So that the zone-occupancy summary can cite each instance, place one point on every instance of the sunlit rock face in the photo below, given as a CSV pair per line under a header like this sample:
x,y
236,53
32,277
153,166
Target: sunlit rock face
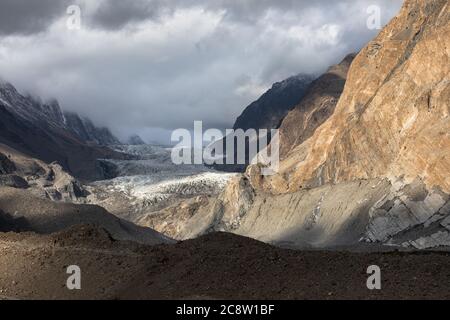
x,y
317,105
392,119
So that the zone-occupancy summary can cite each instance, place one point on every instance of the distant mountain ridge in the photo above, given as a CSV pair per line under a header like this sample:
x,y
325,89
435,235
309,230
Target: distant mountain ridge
x,y
50,113
44,131
268,111
85,129
135,140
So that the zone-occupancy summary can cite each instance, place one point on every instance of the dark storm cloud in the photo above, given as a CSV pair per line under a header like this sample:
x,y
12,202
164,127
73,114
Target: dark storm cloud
x,y
152,66
29,16
114,14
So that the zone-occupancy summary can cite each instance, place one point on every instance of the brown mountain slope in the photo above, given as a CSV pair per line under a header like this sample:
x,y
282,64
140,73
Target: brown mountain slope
x,y
393,117
315,108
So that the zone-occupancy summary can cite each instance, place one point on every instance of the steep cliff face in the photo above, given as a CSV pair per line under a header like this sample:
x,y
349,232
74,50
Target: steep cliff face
x,y
316,106
393,117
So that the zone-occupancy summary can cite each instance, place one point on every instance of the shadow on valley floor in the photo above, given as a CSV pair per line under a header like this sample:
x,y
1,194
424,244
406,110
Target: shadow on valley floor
x,y
217,266
316,236
9,223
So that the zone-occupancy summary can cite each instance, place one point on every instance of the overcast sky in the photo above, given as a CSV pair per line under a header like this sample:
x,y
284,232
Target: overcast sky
x,y
150,66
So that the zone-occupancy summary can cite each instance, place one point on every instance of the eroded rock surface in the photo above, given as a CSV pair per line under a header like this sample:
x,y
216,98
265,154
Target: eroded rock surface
x,y
411,215
48,181
22,210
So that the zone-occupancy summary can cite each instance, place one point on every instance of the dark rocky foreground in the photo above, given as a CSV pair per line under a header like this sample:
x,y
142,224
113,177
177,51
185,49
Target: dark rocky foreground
x,y
217,266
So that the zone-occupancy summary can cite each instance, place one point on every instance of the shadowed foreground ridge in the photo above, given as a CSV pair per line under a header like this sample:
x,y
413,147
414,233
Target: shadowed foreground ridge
x,y
219,266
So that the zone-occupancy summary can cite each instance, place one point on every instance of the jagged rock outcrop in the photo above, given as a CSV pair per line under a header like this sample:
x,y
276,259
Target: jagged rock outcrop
x,y
13,181
411,215
28,107
50,114
48,181
6,165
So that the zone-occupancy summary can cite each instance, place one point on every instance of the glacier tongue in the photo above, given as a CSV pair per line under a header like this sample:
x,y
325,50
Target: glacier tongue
x,y
151,182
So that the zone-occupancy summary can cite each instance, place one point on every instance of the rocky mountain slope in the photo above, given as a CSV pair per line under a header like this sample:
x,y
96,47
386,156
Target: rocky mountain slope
x,y
376,171
83,128
393,117
392,122
48,181
316,106
24,211
51,114
41,130
40,197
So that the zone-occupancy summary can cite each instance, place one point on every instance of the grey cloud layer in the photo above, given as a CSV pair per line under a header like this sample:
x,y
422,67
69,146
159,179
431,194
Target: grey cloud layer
x,y
32,16
116,14
29,16
140,65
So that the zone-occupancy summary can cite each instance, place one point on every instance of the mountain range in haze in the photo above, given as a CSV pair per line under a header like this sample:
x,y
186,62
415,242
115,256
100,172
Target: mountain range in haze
x,y
45,131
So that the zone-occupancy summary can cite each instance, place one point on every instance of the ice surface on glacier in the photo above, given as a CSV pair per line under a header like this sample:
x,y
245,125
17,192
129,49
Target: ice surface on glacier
x,y
153,178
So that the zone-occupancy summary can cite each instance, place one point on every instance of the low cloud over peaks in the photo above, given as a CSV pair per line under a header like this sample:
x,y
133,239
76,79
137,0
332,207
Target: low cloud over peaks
x,y
159,65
